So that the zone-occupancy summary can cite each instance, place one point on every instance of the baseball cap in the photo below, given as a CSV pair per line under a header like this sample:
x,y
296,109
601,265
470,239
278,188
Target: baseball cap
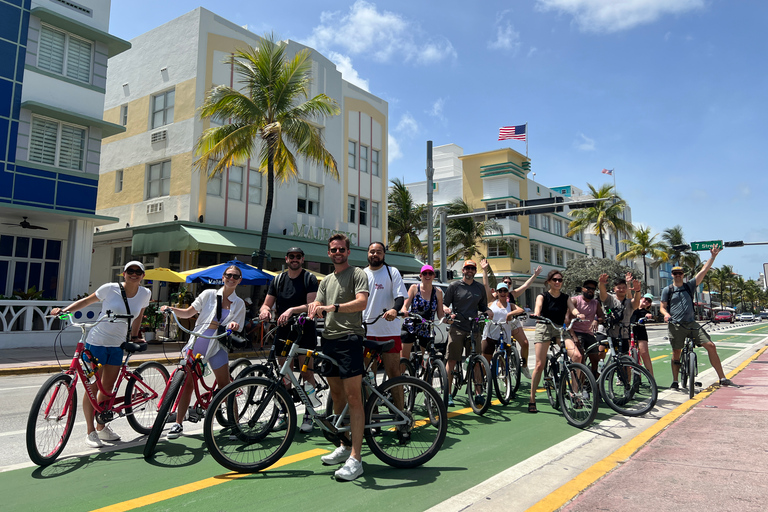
x,y
294,250
677,269
648,296
133,263
469,263
502,285
426,267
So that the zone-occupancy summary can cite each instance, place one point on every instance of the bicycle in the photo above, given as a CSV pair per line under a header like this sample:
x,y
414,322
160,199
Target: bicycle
x,y
248,444
570,386
689,362
506,366
192,367
477,366
54,408
429,365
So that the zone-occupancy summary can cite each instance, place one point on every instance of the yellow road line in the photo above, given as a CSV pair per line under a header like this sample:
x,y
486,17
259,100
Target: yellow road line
x,y
570,490
202,484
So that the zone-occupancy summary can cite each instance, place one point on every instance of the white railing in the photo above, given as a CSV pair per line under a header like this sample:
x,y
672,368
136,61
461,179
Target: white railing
x,y
24,323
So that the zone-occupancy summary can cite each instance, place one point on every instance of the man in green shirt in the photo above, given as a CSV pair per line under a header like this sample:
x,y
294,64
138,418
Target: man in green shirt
x,y
342,297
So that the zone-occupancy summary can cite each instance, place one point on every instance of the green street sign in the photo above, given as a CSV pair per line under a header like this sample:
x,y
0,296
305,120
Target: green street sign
x,y
705,246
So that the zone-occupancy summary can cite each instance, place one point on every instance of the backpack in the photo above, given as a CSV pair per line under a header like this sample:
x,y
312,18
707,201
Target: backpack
x,y
672,290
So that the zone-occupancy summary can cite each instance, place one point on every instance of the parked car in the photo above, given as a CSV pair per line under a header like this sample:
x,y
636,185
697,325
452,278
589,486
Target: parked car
x,y
723,316
746,317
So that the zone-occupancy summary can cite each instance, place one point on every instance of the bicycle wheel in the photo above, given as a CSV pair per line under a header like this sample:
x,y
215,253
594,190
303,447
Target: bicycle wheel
x,y
578,395
515,364
237,366
167,402
628,388
249,444
501,377
414,364
480,389
406,368
408,438
51,418
438,379
549,382
457,378
142,397
691,373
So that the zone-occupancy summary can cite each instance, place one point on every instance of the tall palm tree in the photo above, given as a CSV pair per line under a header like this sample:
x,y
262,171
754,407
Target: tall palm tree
x,y
643,244
405,220
723,277
680,257
604,217
751,292
464,236
272,117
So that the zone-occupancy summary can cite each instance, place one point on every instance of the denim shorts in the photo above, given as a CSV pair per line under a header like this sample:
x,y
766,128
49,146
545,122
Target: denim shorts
x,y
106,355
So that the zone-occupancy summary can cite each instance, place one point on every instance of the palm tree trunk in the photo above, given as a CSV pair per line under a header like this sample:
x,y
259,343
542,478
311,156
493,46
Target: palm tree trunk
x,y
645,275
268,206
602,242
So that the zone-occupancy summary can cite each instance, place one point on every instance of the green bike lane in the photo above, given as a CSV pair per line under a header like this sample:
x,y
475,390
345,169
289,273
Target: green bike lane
x,y
476,448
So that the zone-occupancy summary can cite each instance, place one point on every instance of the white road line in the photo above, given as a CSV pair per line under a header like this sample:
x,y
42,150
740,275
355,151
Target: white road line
x,y
18,387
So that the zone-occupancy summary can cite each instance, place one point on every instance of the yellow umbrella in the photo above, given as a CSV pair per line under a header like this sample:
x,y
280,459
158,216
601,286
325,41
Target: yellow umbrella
x,y
165,274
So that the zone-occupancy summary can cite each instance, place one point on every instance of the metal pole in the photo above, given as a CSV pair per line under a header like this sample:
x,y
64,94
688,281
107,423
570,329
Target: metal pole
x,y
430,220
443,248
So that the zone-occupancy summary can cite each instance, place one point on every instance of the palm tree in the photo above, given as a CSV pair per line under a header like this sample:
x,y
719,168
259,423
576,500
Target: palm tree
x,y
641,245
405,220
464,236
751,292
604,217
722,278
273,116
680,257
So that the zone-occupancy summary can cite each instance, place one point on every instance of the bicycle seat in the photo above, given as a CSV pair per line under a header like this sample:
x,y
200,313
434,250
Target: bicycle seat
x,y
379,346
131,347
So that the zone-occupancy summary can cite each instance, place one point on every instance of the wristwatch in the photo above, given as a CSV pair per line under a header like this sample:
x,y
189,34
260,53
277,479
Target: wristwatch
x,y
335,308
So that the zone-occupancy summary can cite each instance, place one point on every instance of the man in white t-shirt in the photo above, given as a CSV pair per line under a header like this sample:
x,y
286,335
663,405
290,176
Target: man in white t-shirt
x,y
387,292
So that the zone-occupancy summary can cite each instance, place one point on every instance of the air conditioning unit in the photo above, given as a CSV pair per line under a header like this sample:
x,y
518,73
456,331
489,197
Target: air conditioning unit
x,y
154,208
159,136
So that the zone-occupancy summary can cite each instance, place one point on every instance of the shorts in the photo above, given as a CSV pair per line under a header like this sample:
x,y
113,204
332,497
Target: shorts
x,y
458,341
398,343
347,351
488,346
546,333
412,337
308,338
678,333
587,343
218,359
106,355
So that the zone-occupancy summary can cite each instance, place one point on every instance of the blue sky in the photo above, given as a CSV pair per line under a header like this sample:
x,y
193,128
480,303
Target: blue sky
x,y
669,93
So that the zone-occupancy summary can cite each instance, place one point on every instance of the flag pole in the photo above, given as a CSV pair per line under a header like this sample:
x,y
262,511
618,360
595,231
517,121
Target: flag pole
x,y
526,139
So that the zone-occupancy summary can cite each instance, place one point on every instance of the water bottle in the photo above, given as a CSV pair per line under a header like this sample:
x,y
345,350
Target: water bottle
x,y
600,366
309,389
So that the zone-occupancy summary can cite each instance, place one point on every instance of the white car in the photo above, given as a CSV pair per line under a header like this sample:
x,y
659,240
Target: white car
x,y
746,317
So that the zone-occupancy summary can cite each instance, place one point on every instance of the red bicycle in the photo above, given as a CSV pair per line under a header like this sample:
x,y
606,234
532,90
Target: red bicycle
x,y
54,408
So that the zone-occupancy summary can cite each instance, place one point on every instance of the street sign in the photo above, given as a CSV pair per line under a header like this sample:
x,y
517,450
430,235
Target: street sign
x,y
705,246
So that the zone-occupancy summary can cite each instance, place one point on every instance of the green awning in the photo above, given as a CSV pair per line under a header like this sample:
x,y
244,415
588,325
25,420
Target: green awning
x,y
107,129
114,44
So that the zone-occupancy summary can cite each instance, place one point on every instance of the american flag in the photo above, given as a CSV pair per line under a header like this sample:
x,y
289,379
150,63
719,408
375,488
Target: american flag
x,y
609,172
512,132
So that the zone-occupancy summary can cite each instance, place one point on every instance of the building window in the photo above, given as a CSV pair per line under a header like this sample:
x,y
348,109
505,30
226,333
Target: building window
x,y
533,221
213,188
557,227
254,187
374,214
124,115
235,187
162,108
571,256
502,248
352,154
545,223
119,180
351,205
27,262
577,236
159,179
309,199
363,158
535,252
651,273
363,212
547,254
64,54
559,257
374,162
57,144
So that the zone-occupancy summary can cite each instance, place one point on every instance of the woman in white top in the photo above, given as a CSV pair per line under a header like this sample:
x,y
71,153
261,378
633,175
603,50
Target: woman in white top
x,y
503,311
232,314
105,338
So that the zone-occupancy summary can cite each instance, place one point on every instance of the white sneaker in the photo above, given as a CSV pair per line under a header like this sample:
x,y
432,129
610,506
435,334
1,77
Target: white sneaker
x,y
93,440
175,432
107,434
526,372
306,425
337,456
351,469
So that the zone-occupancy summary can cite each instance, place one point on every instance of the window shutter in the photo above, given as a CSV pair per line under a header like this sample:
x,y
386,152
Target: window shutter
x,y
42,147
72,147
50,55
79,60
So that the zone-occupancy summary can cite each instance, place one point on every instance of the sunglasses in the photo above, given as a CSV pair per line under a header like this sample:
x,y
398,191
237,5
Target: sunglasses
x,y
557,279
677,273
334,250
589,289
474,269
428,274
132,272
503,290
295,256
232,276
508,283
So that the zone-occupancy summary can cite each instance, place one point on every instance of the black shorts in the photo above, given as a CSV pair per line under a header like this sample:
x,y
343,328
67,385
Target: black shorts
x,y
412,337
308,338
348,352
587,342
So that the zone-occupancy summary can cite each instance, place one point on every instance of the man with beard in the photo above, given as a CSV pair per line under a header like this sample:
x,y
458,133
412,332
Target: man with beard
x,y
289,293
342,297
583,333
618,303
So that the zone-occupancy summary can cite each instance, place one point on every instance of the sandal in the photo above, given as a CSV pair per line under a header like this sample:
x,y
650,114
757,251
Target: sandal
x,y
532,407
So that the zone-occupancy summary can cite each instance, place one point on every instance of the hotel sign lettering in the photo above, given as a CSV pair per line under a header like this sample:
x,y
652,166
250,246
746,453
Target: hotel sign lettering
x,y
321,234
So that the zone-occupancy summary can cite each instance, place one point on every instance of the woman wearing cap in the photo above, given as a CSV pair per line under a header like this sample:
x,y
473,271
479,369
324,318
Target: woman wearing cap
x,y
417,302
503,311
232,315
639,331
105,339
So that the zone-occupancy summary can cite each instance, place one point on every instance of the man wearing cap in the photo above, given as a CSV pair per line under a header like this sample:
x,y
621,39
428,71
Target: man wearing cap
x,y
619,303
642,314
583,338
678,309
289,293
468,297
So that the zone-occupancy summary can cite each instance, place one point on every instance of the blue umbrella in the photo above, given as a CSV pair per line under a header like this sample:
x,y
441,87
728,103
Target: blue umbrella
x,y
212,275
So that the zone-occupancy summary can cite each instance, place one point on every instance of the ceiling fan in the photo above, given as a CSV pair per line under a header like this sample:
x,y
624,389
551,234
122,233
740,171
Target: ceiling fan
x,y
24,224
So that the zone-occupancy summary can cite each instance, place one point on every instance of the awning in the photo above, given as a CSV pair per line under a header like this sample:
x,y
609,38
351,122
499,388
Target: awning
x,y
114,44
107,129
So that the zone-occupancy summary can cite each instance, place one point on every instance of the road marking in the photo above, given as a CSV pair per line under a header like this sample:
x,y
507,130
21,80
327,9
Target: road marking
x,y
19,387
570,490
203,484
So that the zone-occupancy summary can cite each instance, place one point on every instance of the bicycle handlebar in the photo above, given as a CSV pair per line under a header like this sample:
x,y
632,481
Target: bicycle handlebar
x,y
169,312
108,316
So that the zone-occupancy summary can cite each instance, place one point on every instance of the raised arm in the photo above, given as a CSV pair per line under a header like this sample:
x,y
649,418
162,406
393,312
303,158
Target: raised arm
x,y
519,291
486,281
703,272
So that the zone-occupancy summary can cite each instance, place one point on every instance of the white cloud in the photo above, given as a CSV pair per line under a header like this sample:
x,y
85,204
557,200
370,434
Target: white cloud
x,y
349,73
393,149
437,109
584,143
381,35
614,15
532,51
407,125
507,38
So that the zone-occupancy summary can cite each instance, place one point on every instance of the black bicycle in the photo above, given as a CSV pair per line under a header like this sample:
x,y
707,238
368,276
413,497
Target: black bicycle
x,y
475,373
506,365
689,362
430,364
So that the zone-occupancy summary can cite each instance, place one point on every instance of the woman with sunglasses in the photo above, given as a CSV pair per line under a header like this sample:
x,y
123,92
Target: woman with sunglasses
x,y
552,304
417,302
517,328
504,310
105,339
207,306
